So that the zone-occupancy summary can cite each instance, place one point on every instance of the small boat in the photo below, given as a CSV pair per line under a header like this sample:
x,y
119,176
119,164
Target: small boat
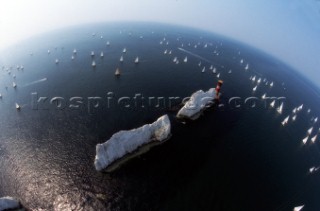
x,y
241,61
313,139
121,59
72,57
294,110
211,67
214,70
310,130
294,118
300,107
92,53
14,85
170,52
165,52
136,60
57,61
206,45
304,141
259,80
254,78
175,59
272,103
203,69
185,59
101,54
101,37
117,72
247,67
309,110
74,51
48,51
280,108
271,84
93,64
199,64
264,96
218,76
298,208
124,50
230,71
108,43
177,62
285,121
315,120
0,96
254,88
18,107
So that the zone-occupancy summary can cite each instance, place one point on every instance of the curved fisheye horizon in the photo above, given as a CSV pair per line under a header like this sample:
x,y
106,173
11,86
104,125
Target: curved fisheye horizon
x,y
288,30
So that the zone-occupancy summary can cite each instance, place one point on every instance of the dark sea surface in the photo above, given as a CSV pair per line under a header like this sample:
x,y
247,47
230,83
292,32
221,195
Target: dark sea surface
x,y
231,158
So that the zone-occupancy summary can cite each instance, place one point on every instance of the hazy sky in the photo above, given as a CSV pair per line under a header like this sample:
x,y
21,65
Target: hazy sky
x,y
287,29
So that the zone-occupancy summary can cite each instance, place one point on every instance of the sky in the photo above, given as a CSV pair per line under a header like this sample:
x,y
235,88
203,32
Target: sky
x,y
286,29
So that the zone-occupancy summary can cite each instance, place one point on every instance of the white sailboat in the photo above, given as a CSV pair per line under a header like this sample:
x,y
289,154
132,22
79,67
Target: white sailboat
x,y
218,75
101,54
272,103
93,64
214,70
72,57
300,107
254,88
309,110
57,61
285,121
310,130
199,64
271,84
315,120
280,108
259,80
298,208
175,59
185,59
264,96
254,78
241,61
230,71
170,52
124,50
203,69
0,96
314,138
294,110
74,51
136,60
92,53
294,118
121,59
211,67
18,107
48,51
165,51
304,141
108,43
14,85
247,67
117,72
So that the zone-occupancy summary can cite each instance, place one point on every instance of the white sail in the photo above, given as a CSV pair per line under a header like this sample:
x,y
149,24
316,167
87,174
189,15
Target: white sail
x,y
254,88
175,59
18,106
310,130
203,69
298,208
241,61
214,70
300,107
14,85
254,78
315,120
294,118
314,138
108,43
285,121
93,64
165,51
117,72
170,52
74,51
72,57
247,67
199,64
48,51
304,141
272,103
264,96
185,59
309,110
136,60
230,71
101,54
218,75
121,59
57,61
211,67
271,84
92,53
294,110
259,80
280,108
124,50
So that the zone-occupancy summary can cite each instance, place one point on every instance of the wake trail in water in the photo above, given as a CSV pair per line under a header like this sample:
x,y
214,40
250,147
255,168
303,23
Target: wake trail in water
x,y
35,82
